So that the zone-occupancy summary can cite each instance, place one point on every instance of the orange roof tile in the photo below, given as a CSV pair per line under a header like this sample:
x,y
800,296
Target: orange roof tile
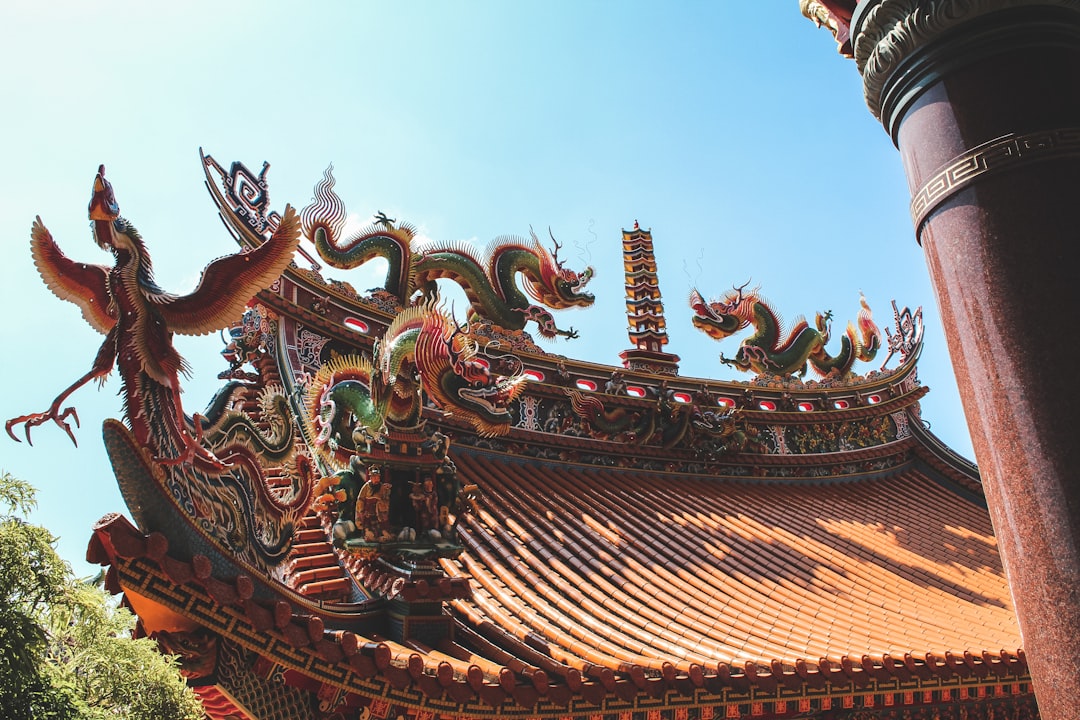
x,y
624,568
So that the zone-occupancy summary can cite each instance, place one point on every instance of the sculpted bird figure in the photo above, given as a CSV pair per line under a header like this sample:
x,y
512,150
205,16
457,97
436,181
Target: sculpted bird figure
x,y
139,319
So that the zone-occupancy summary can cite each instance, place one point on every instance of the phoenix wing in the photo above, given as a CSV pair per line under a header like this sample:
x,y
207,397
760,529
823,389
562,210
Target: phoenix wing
x,y
228,283
85,285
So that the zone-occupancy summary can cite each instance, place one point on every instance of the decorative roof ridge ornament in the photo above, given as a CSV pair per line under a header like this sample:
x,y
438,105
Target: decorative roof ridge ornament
x,y
765,352
646,326
213,469
324,223
490,281
664,423
352,400
139,318
363,418
909,334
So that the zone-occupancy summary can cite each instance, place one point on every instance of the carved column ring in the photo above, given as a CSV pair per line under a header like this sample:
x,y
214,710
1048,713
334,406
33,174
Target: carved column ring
x,y
998,155
886,33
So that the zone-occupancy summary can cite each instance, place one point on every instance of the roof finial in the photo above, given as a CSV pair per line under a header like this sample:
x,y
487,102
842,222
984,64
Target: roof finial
x,y
636,226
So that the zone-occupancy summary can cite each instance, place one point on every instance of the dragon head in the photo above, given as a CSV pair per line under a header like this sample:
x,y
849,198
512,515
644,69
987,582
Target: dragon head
x,y
713,421
557,286
570,286
726,316
459,378
196,651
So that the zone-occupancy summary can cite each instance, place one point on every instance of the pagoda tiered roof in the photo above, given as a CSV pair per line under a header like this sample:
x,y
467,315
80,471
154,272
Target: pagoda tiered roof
x,y
644,308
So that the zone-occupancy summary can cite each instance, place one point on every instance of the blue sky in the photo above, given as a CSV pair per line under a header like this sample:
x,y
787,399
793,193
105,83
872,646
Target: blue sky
x,y
734,131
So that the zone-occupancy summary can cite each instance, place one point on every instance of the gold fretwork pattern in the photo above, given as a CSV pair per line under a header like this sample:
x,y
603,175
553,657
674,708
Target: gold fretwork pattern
x,y
264,699
1007,151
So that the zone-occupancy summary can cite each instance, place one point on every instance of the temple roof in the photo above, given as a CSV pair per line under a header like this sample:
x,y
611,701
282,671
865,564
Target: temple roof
x,y
628,543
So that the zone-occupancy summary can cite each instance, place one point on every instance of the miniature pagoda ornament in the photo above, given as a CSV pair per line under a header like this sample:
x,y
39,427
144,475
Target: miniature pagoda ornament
x,y
644,307
765,352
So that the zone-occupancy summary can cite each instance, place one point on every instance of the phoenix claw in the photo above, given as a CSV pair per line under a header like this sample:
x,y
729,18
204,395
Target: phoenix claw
x,y
34,419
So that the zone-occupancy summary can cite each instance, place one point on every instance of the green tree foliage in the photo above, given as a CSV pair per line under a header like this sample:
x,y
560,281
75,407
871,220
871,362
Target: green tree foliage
x,y
66,651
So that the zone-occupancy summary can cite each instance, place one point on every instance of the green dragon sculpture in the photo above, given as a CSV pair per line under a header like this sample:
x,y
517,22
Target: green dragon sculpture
x,y
491,288
633,425
663,421
352,400
765,353
490,285
322,223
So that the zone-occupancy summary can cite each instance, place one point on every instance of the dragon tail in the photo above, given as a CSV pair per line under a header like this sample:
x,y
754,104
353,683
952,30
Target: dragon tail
x,y
588,407
326,213
866,339
323,221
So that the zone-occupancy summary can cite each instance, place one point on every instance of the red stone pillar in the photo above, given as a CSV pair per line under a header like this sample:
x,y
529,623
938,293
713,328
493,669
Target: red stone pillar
x,y
982,98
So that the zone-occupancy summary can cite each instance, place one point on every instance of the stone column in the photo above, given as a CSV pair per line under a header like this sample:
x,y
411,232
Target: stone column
x,y
982,98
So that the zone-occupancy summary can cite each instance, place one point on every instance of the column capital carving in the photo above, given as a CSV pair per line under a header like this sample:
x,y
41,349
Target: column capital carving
x,y
888,35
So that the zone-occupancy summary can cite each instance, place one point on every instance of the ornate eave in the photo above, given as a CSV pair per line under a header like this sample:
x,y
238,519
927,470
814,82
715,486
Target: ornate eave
x,y
358,672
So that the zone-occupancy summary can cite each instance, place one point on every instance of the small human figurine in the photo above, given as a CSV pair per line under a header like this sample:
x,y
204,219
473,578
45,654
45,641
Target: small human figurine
x,y
366,515
416,497
704,397
342,488
431,510
562,375
447,482
616,385
446,524
425,507
382,512
663,393
439,444
665,404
